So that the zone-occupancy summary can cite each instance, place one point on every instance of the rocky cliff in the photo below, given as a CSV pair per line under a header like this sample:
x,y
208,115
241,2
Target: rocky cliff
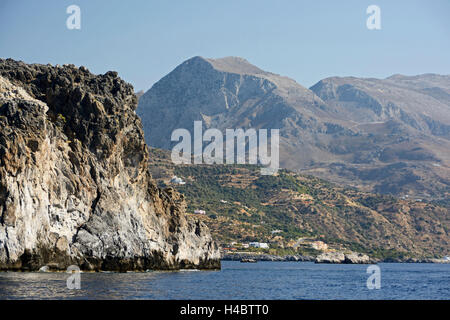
x,y
74,181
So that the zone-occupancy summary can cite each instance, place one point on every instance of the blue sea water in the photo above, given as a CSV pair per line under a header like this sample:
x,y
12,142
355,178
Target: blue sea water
x,y
262,280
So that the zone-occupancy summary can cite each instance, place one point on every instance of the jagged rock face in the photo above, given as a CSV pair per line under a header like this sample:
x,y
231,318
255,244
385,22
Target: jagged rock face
x,y
74,181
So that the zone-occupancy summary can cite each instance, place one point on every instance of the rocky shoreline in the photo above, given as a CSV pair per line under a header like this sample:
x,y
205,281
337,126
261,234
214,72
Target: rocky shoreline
x,y
340,258
265,257
327,258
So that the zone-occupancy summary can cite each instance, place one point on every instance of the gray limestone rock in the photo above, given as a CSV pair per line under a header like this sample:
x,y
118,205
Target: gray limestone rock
x,y
75,187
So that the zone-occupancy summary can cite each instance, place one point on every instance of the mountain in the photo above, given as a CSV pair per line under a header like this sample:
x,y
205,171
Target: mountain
x,y
382,135
405,126
289,209
75,187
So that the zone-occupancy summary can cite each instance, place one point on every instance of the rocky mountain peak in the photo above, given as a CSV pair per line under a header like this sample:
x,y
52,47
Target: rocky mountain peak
x,y
223,93
235,65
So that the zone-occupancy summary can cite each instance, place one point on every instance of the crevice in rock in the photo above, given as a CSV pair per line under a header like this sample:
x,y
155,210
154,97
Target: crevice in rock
x,y
95,202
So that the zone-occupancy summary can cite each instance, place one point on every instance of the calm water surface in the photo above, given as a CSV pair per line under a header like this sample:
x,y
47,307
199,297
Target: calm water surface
x,y
262,280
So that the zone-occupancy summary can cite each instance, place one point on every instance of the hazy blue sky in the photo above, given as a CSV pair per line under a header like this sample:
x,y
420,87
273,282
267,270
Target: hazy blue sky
x,y
305,40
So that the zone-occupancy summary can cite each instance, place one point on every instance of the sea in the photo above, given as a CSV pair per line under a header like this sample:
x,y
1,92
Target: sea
x,y
236,280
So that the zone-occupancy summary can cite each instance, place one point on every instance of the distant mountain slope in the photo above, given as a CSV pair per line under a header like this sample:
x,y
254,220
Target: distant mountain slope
x,y
405,122
242,206
390,136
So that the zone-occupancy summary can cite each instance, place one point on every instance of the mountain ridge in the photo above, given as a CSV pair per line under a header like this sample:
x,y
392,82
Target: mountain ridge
x,y
343,129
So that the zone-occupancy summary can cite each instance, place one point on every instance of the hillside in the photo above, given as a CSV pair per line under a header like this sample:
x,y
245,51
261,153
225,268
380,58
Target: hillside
x,y
404,133
389,136
242,206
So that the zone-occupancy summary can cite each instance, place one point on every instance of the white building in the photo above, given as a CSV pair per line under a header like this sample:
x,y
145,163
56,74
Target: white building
x,y
177,180
261,245
200,212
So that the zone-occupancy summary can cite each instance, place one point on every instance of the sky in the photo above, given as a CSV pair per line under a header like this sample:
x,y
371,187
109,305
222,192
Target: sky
x,y
304,40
